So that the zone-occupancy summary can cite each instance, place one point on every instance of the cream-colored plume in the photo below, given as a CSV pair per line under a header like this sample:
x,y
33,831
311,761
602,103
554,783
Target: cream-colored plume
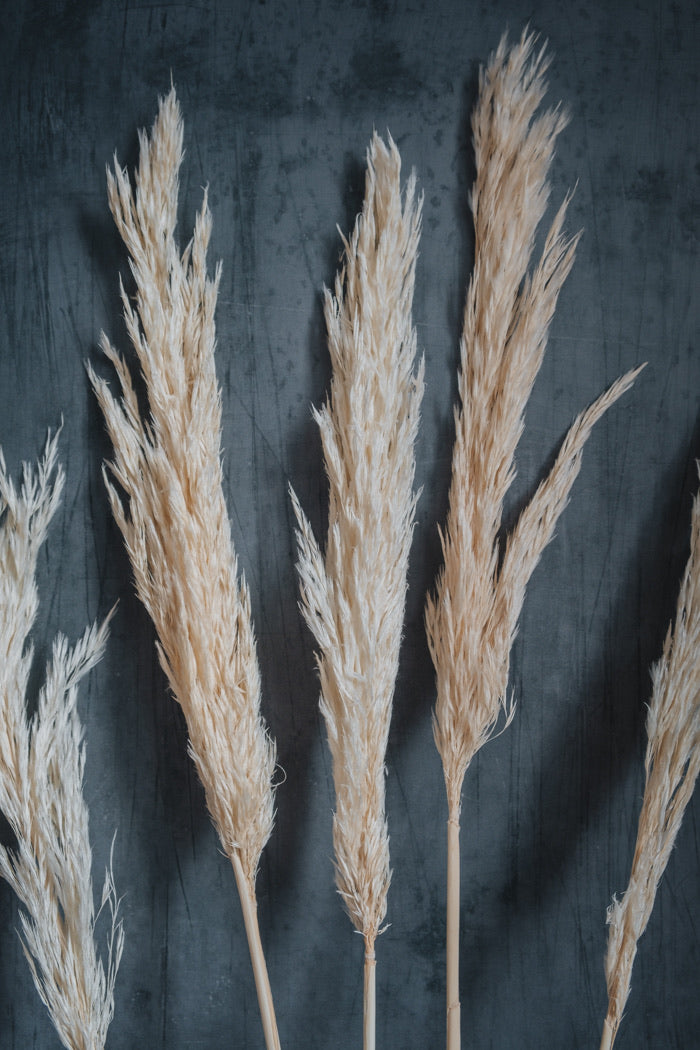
x,y
353,598
174,521
672,765
41,782
472,617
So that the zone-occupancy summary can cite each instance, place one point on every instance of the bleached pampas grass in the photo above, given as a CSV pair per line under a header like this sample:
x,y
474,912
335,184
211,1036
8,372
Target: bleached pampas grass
x,y
175,523
353,598
472,617
41,781
672,764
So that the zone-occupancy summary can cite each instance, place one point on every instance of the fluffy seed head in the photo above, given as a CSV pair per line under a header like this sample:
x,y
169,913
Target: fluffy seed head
x,y
173,520
353,596
472,617
41,781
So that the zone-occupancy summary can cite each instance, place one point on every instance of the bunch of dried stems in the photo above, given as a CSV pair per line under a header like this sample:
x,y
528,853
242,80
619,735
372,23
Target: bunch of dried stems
x,y
472,617
353,598
175,524
672,764
41,781
169,505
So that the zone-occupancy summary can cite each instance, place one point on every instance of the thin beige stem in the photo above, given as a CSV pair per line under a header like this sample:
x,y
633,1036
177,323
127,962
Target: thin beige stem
x,y
249,907
608,1036
453,1010
370,1001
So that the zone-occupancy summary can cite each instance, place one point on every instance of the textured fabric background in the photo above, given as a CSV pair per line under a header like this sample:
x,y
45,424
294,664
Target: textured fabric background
x,y
280,100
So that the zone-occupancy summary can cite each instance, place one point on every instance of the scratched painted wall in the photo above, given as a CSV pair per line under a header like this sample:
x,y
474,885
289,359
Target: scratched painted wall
x,y
280,100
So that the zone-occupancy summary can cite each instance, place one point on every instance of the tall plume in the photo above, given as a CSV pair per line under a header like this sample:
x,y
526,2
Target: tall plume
x,y
174,520
472,617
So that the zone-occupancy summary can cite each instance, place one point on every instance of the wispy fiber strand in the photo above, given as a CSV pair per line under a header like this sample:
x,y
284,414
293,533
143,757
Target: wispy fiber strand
x,y
353,599
42,759
473,615
672,764
174,522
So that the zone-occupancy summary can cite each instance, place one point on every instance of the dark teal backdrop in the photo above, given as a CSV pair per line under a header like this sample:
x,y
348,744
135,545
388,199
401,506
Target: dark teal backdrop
x,y
280,100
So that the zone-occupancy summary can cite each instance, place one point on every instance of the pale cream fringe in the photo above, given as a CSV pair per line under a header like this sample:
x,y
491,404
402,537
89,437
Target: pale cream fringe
x,y
353,598
41,782
472,618
175,524
672,765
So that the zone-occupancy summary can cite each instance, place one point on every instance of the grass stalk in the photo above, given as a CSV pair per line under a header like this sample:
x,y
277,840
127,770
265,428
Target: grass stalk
x,y
370,999
453,926
249,907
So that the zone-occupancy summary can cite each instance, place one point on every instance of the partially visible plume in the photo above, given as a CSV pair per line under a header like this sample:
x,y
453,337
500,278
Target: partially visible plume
x,y
41,781
672,765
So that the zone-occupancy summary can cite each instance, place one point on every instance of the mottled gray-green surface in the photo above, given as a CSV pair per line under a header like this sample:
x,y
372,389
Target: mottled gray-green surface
x,y
280,100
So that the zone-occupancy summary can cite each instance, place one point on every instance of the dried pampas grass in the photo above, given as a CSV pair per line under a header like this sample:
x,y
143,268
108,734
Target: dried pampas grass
x,y
175,523
672,764
41,782
472,617
353,598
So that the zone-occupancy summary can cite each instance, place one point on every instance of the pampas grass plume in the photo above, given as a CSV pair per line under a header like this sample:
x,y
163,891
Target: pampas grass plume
x,y
41,781
353,597
174,520
472,617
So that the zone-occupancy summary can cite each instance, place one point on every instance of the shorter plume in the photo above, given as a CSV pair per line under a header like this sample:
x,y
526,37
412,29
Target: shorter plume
x,y
353,597
41,782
